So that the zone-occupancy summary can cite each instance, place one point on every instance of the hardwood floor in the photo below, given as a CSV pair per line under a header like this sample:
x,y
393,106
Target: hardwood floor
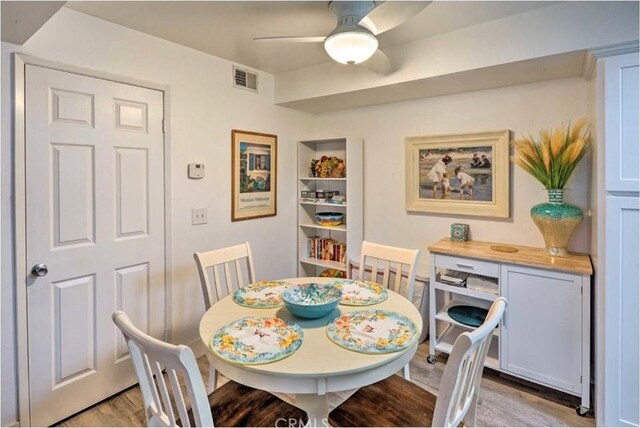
x,y
504,400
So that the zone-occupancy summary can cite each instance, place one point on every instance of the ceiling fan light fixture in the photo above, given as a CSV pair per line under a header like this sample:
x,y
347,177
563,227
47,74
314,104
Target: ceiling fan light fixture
x,y
351,47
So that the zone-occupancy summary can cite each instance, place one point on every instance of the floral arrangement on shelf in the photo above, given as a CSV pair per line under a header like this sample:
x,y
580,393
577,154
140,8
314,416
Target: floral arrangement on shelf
x,y
553,157
328,167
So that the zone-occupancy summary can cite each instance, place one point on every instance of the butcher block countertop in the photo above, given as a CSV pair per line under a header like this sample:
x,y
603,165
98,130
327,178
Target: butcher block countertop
x,y
576,263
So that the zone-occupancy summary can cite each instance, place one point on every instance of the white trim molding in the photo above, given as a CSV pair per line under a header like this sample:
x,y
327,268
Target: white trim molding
x,y
593,55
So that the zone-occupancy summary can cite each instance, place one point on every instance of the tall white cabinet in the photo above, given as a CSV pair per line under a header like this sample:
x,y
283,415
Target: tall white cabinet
x,y
351,186
618,254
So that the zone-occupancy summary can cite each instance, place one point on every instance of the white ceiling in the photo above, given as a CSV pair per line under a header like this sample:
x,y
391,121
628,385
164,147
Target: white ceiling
x,y
227,28
21,19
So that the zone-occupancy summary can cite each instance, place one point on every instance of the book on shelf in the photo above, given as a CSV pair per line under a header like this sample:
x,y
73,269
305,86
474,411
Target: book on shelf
x,y
326,249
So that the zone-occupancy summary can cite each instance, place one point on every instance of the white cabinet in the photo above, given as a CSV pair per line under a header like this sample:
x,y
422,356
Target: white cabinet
x,y
616,250
542,332
622,148
350,232
622,330
544,336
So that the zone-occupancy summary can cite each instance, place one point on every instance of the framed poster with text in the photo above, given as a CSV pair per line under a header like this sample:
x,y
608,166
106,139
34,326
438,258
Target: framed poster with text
x,y
253,175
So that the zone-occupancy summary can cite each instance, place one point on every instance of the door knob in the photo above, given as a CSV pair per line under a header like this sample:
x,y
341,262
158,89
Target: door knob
x,y
40,270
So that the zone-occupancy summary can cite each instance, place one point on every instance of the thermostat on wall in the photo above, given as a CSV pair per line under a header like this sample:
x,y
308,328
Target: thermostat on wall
x,y
196,170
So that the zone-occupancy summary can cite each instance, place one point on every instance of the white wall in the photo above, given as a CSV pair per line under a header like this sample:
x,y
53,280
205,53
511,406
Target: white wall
x,y
204,109
596,114
523,109
7,294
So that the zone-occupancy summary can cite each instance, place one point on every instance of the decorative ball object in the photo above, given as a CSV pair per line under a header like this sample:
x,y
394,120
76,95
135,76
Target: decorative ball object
x,y
459,232
311,300
329,219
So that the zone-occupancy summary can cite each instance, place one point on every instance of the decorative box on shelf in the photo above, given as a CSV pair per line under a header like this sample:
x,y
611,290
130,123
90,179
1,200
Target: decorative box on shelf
x,y
459,232
544,336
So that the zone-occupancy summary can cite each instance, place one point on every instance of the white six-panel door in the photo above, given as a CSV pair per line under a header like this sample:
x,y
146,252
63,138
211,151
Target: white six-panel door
x,y
95,218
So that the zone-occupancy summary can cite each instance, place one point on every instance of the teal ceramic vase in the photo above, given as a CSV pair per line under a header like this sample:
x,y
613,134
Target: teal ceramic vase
x,y
556,221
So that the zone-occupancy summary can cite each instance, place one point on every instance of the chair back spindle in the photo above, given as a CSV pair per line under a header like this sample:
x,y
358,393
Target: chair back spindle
x,y
393,261
165,404
460,385
222,273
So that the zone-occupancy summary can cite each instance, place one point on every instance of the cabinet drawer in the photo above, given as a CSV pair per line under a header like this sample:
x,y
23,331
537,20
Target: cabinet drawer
x,y
463,264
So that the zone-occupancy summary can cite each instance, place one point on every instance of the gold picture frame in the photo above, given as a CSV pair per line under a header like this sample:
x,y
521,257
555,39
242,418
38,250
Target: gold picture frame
x,y
466,174
253,175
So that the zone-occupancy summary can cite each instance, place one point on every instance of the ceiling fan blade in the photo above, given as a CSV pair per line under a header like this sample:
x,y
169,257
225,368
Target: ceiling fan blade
x,y
390,14
294,39
378,63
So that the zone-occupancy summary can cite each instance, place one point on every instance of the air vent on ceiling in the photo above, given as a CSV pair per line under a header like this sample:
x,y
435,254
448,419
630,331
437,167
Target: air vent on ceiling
x,y
245,79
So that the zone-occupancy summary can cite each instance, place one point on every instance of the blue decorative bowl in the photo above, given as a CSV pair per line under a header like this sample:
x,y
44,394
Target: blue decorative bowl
x,y
311,300
329,219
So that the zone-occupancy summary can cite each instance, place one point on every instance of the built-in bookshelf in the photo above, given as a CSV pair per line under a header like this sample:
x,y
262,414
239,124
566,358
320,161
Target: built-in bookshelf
x,y
343,241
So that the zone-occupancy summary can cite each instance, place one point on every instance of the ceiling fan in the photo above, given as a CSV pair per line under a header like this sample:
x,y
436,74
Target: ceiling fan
x,y
354,41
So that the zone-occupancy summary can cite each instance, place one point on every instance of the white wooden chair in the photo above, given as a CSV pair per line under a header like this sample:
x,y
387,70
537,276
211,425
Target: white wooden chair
x,y
222,273
393,261
227,261
407,404
149,357
166,406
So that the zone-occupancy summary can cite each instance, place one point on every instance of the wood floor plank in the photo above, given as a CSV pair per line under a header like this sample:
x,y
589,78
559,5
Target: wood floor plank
x,y
504,400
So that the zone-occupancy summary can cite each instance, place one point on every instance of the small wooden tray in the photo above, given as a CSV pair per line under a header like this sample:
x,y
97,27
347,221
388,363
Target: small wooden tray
x,y
504,248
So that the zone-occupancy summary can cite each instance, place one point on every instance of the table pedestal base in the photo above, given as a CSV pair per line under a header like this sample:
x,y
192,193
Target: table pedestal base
x,y
317,408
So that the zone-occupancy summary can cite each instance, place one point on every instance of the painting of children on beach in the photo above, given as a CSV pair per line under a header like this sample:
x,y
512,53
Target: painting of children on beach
x,y
461,173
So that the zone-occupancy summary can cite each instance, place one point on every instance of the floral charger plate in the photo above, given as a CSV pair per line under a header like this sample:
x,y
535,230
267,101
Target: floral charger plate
x,y
261,295
372,332
257,340
360,293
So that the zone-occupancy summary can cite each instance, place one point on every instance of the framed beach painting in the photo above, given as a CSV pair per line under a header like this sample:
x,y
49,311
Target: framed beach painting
x,y
253,175
466,174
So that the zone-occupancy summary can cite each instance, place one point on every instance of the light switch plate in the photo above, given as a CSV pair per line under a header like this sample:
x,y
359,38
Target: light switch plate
x,y
198,216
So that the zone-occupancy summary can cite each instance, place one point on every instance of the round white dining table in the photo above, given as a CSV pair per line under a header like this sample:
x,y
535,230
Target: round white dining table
x,y
319,366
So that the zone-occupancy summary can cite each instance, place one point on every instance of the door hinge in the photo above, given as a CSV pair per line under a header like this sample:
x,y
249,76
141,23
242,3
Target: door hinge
x,y
163,131
580,380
